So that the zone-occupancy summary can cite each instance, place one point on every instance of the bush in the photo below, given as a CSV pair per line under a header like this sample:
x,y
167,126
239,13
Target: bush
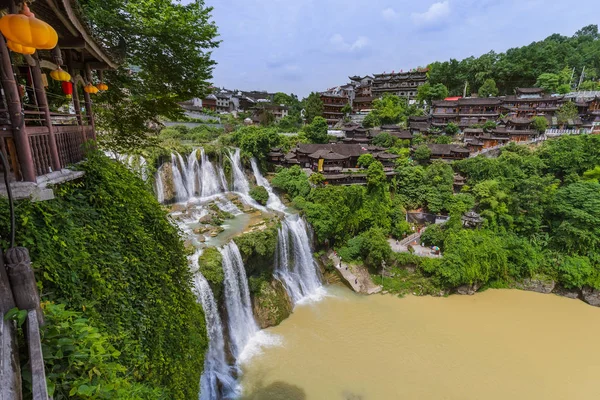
x,y
80,360
260,195
105,245
293,181
210,264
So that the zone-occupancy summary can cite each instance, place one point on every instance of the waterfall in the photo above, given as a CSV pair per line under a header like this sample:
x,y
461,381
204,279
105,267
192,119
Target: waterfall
x,y
159,186
240,183
237,299
210,181
294,263
216,371
177,165
274,202
191,173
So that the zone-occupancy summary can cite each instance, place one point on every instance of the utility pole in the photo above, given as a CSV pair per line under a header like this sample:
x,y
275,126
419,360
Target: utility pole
x,y
581,77
572,75
465,89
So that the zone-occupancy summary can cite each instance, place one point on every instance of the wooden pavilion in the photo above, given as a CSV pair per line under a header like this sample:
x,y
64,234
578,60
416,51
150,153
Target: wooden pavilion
x,y
37,137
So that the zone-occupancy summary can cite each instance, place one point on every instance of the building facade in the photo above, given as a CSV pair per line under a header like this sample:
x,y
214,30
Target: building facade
x,y
403,84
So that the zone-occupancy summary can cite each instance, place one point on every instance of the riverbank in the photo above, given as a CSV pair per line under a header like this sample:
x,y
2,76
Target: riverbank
x,y
381,347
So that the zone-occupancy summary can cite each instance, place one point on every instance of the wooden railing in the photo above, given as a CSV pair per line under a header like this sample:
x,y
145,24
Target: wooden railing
x,y
39,141
70,140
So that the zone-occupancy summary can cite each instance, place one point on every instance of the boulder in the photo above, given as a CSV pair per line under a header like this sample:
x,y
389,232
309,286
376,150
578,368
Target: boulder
x,y
467,289
201,238
178,208
271,304
206,219
539,285
591,296
570,293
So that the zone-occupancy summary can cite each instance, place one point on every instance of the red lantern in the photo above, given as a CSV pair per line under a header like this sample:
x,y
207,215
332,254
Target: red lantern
x,y
67,88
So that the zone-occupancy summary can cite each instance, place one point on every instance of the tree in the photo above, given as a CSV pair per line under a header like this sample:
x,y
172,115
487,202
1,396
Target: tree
x,y
452,129
390,109
347,109
489,126
316,179
384,139
316,131
293,181
564,88
428,93
548,82
589,85
371,120
365,160
256,141
568,111
540,124
313,106
422,153
488,89
170,45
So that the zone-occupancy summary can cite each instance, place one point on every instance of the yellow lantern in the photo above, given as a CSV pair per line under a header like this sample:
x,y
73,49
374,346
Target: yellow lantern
x,y
91,89
26,30
60,75
102,86
17,48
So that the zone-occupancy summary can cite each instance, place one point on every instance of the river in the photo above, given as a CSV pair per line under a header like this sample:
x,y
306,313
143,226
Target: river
x,y
499,344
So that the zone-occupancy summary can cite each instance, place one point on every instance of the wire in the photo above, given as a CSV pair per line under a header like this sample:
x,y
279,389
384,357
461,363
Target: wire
x,y
11,204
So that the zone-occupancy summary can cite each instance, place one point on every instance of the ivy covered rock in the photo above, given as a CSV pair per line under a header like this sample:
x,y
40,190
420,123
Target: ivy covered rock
x,y
210,264
271,303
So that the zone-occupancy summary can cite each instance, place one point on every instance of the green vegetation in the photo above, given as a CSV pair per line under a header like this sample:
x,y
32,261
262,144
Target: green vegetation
x,y
105,247
316,131
313,105
540,217
260,195
293,181
429,93
211,266
365,160
390,109
488,89
524,66
170,48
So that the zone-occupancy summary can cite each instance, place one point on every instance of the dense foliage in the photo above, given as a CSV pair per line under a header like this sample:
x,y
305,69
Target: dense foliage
x,y
260,195
539,209
524,66
105,246
168,45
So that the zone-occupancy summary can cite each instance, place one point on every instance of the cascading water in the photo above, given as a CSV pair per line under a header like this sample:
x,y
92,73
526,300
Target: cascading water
x,y
191,173
216,371
237,299
177,165
240,182
294,263
274,202
209,178
159,186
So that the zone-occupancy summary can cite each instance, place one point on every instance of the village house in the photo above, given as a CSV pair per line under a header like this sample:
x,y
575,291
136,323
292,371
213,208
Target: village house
x,y
419,125
403,84
448,151
363,93
354,133
530,102
332,107
588,105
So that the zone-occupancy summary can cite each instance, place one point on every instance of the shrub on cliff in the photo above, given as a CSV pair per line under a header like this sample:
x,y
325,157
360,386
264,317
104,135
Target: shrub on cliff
x,y
211,266
106,247
260,195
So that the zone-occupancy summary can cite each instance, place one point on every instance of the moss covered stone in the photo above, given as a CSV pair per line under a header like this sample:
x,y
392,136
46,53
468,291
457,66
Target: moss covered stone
x,y
258,249
271,302
211,266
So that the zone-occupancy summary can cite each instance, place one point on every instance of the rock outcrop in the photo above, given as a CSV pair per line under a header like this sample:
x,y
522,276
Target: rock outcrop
x,y
538,284
468,290
271,304
591,296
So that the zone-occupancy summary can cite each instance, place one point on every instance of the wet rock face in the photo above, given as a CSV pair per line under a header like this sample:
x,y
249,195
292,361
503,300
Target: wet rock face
x,y
468,290
537,285
570,293
167,178
591,296
271,304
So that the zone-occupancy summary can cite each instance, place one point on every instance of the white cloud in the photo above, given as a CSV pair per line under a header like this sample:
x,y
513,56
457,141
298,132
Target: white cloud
x,y
341,45
436,13
389,14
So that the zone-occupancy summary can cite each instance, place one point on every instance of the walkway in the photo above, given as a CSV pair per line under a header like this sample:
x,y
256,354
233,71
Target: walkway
x,y
402,246
358,277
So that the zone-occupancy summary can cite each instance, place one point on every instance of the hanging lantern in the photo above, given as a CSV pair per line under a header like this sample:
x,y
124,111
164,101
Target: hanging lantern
x,y
91,89
102,86
67,88
60,75
27,31
17,48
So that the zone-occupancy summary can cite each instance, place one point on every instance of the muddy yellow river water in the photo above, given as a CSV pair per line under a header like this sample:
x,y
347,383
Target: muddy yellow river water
x,y
499,344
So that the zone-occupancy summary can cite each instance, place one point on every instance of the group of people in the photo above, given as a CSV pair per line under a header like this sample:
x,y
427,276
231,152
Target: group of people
x,y
339,266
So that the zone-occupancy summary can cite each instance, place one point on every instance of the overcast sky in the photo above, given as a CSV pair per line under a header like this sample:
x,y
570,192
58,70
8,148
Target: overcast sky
x,y
299,46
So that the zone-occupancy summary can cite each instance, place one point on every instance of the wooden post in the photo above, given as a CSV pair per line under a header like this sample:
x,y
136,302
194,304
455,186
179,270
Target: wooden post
x,y
13,101
22,280
39,390
73,73
42,102
10,370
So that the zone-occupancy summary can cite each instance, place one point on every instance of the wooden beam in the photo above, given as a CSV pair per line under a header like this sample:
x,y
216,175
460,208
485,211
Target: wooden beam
x,y
39,390
72,43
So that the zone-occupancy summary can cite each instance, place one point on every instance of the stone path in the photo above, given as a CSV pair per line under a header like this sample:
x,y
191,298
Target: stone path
x,y
358,277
